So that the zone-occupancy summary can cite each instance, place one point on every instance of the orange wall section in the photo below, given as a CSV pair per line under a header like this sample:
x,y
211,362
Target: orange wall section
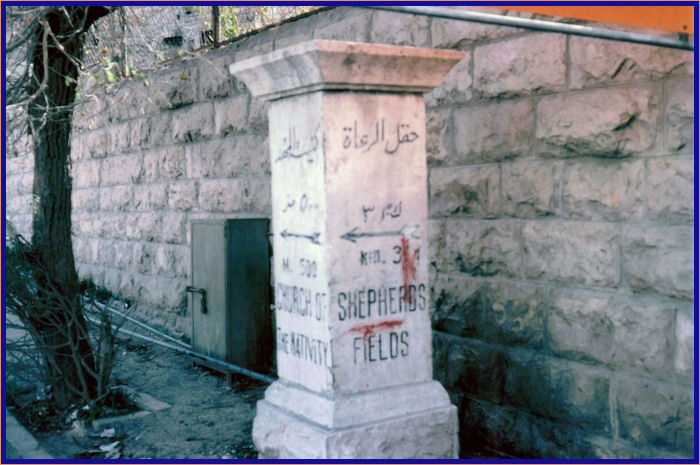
x,y
664,17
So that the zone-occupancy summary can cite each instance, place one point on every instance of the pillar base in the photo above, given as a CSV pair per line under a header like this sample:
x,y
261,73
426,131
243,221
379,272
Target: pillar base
x,y
294,423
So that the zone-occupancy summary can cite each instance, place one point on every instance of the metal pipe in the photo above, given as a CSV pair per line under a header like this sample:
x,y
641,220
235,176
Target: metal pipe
x,y
230,366
141,324
537,25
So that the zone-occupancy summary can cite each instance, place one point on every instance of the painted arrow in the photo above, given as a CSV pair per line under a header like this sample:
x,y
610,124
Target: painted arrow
x,y
409,230
312,237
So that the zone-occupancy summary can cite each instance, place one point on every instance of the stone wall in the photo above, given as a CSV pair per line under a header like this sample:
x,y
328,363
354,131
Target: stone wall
x,y
561,178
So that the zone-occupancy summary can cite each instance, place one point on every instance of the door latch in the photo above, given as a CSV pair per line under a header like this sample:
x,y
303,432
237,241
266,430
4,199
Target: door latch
x,y
202,293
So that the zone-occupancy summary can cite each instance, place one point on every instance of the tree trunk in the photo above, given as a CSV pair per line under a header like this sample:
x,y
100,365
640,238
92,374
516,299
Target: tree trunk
x,y
61,327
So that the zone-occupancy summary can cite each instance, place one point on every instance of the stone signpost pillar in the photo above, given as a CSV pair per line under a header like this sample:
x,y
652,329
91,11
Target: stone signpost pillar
x,y
349,212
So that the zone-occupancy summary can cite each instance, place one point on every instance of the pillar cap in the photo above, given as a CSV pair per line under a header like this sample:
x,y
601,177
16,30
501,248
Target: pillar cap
x,y
336,65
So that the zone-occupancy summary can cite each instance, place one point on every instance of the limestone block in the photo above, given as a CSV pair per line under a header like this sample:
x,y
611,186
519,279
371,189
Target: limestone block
x,y
86,174
655,412
193,123
504,313
254,45
96,144
143,226
471,191
482,248
160,292
110,226
174,228
608,123
230,115
151,164
120,138
19,164
235,195
182,195
475,368
494,132
257,115
659,259
106,254
516,432
530,188
116,198
615,330
85,200
531,64
176,87
458,306
347,24
85,224
685,359
226,158
131,99
149,197
172,162
159,130
214,79
123,254
571,252
144,255
558,390
438,141
457,87
127,169
607,191
113,279
399,29
19,184
171,261
448,33
680,121
596,61
670,187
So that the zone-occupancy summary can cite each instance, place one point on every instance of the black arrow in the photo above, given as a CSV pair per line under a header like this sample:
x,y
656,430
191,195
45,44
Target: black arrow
x,y
312,237
406,231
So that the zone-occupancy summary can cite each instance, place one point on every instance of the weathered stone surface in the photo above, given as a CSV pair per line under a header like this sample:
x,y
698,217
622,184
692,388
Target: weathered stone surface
x,y
473,367
126,169
493,133
230,115
193,123
123,254
658,259
143,227
226,158
609,123
447,33
482,248
471,191
610,191
564,391
400,29
530,188
86,200
458,306
172,162
352,25
514,314
518,433
175,228
526,65
571,252
108,226
182,195
235,195
160,292
116,198
19,164
171,261
680,121
143,257
96,144
176,87
596,61
684,362
150,197
120,138
214,79
86,174
438,128
457,87
106,254
615,330
670,188
656,413
20,184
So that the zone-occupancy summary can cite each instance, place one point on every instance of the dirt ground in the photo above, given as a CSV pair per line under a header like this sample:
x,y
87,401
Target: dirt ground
x,y
208,419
